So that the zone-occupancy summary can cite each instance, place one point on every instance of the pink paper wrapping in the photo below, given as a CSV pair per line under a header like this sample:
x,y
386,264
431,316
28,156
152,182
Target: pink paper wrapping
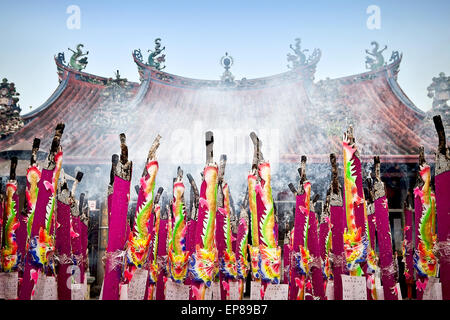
x,y
408,240
191,247
372,229
337,216
286,263
417,217
442,183
385,245
84,245
63,248
316,270
116,236
38,222
162,254
242,232
75,241
299,224
220,243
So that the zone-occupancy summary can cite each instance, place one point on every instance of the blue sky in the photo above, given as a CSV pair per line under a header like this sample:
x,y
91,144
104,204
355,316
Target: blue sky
x,y
197,33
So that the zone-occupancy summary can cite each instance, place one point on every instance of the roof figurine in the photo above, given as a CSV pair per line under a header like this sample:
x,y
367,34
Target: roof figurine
x,y
377,61
155,58
76,62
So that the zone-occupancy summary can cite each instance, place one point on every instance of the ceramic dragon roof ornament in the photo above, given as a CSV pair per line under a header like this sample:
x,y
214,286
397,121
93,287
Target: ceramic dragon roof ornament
x,y
76,61
377,61
299,57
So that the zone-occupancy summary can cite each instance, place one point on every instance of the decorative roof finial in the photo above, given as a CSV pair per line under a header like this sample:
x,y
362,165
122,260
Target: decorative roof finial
x,y
378,61
226,62
299,58
75,61
155,59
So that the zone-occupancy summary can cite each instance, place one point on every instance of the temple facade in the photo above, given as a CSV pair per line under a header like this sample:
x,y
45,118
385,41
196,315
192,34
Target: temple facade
x,y
295,114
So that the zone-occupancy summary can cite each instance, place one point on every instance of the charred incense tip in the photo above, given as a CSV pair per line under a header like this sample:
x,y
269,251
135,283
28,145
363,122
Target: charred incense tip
x,y
123,149
441,133
153,148
136,188
115,159
179,173
158,194
12,172
292,188
421,155
302,169
222,164
316,198
81,203
79,176
36,143
209,142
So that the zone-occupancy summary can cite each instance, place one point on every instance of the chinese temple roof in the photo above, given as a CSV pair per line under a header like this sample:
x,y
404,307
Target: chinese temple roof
x,y
303,116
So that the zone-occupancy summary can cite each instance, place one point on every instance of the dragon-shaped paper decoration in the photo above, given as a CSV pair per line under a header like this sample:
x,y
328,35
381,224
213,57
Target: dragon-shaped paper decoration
x,y
154,60
138,246
10,257
354,245
76,61
31,193
242,262
203,266
154,266
425,261
178,256
228,264
303,258
42,246
270,253
378,60
254,248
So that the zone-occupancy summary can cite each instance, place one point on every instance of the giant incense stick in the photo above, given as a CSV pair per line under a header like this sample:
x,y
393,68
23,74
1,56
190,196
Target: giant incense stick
x,y
270,253
84,225
384,236
178,253
241,247
408,245
138,245
425,261
442,186
202,265
317,292
161,233
117,225
10,255
300,250
325,238
355,244
41,246
191,224
227,257
337,217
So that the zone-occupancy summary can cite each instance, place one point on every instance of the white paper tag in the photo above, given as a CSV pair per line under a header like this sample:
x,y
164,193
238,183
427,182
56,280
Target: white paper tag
x,y
77,291
46,288
329,292
399,292
137,285
10,285
234,290
215,290
354,288
255,290
380,292
276,292
433,290
176,291
123,292
100,297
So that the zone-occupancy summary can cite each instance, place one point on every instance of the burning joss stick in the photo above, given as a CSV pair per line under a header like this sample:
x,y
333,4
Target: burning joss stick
x,y
41,245
442,186
117,224
241,247
425,260
384,236
203,259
